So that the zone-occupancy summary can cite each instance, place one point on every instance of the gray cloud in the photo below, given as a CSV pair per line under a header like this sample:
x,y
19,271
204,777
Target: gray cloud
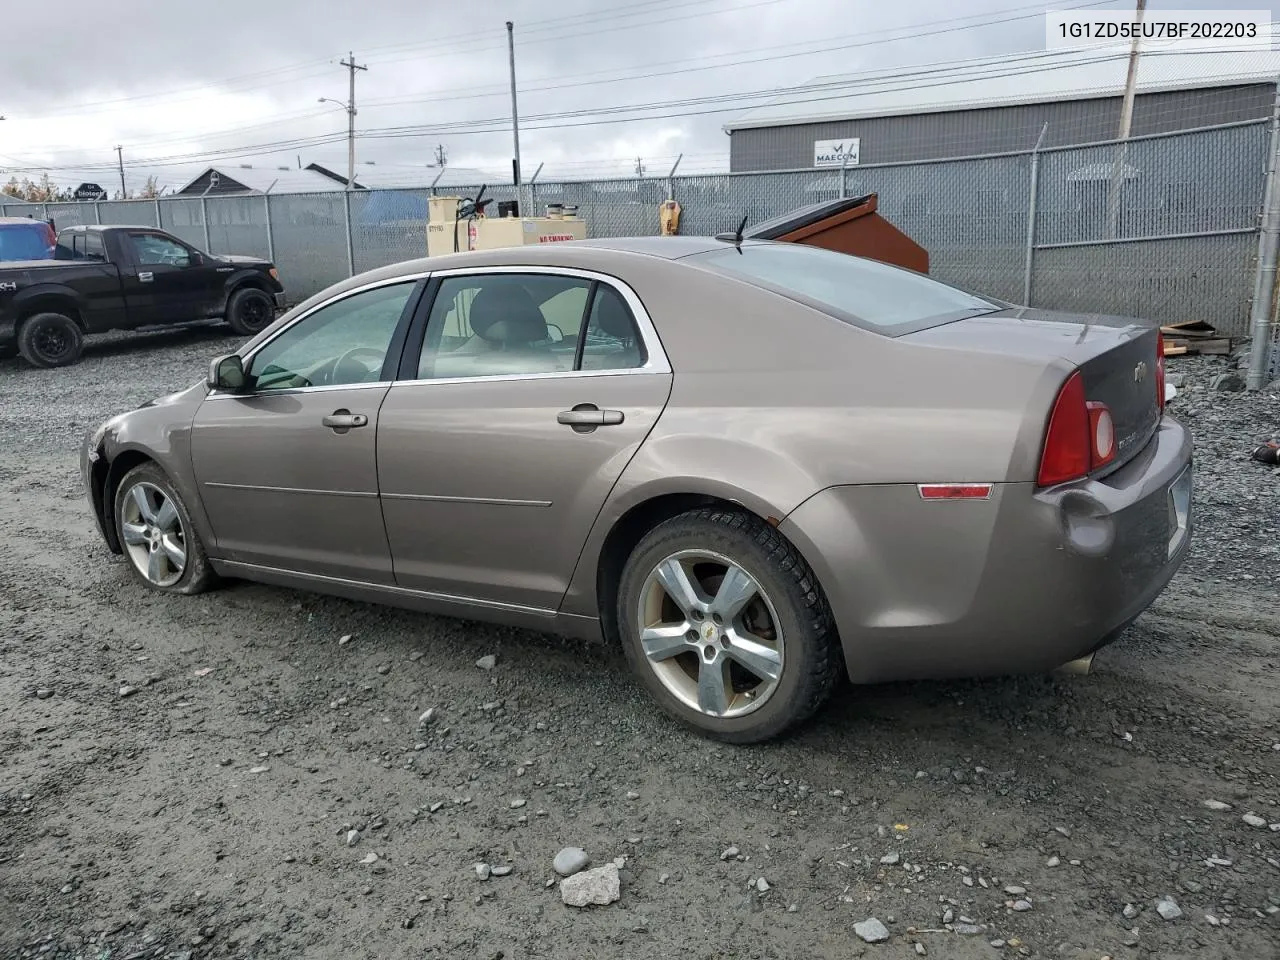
x,y
169,79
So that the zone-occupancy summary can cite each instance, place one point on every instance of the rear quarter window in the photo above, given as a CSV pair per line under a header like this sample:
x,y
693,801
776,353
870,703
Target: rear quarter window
x,y
863,292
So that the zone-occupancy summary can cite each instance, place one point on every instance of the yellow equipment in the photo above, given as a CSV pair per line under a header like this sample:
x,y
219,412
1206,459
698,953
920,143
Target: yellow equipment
x,y
447,232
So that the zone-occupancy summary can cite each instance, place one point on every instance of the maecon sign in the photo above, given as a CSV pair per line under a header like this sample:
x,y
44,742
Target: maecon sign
x,y
835,153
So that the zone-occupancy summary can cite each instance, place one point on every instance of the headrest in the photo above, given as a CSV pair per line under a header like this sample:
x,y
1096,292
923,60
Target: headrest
x,y
612,315
504,312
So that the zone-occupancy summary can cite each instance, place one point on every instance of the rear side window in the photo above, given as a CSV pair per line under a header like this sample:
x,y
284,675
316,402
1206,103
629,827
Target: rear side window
x,y
864,292
93,248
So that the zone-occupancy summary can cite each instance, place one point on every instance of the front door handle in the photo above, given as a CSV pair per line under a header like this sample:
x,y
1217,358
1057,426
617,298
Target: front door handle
x,y
340,421
587,416
146,276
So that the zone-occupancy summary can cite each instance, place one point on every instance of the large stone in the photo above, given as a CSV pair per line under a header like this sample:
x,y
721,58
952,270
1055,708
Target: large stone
x,y
597,887
872,930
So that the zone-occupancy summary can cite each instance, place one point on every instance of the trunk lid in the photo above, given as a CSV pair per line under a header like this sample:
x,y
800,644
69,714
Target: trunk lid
x,y
1116,357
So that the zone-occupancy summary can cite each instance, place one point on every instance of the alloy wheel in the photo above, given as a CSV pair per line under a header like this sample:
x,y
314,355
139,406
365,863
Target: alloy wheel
x,y
153,534
710,633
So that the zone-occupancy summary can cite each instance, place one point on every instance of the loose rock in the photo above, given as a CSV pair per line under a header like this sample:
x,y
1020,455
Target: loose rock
x,y
762,885
598,887
729,853
427,716
1253,820
1021,906
482,871
570,860
871,930
487,662
890,858
1130,911
353,837
503,870
1168,909
1217,805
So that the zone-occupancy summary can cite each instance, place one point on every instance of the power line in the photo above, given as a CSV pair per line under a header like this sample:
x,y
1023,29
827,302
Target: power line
x,y
858,41
945,75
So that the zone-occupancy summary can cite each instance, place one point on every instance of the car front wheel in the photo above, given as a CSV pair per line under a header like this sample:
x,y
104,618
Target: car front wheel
x,y
250,311
726,626
155,530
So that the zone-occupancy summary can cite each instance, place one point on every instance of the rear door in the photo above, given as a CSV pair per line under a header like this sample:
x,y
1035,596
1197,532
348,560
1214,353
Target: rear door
x,y
526,393
103,296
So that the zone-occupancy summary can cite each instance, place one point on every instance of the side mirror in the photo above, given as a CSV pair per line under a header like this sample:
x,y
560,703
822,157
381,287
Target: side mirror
x,y
195,260
227,373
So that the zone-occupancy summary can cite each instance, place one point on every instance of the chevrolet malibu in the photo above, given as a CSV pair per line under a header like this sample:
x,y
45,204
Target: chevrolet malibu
x,y
755,466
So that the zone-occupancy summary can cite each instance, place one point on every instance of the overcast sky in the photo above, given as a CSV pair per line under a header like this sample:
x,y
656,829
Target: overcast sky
x,y
181,85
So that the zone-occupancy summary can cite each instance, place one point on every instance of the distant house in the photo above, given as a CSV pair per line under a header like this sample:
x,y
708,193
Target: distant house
x,y
248,179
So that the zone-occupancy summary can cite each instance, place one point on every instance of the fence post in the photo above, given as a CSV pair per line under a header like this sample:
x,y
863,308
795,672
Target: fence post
x,y
97,212
1264,281
1033,196
351,247
159,219
671,178
204,218
271,240
844,165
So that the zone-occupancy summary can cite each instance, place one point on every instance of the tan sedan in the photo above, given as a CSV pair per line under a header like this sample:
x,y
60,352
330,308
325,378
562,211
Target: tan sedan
x,y
756,466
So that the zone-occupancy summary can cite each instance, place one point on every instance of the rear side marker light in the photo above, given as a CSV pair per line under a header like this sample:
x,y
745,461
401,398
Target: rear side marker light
x,y
954,491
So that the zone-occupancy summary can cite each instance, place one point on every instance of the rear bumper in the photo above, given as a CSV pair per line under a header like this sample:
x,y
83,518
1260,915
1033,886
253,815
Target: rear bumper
x,y
1019,583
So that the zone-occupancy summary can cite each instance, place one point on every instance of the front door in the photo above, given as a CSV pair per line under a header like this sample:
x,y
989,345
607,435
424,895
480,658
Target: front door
x,y
167,281
287,470
532,393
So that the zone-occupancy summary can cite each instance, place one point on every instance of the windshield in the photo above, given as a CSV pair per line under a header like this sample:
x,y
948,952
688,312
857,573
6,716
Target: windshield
x,y
26,241
854,289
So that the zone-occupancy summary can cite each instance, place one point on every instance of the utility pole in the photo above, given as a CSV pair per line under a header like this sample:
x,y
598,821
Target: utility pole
x,y
515,113
1126,122
441,156
639,167
352,67
124,193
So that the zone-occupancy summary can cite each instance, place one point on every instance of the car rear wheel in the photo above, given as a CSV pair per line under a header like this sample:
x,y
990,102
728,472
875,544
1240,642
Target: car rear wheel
x,y
161,544
250,311
726,626
50,340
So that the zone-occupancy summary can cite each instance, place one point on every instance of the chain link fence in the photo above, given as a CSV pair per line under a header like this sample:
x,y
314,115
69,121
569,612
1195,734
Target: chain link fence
x,y
1163,227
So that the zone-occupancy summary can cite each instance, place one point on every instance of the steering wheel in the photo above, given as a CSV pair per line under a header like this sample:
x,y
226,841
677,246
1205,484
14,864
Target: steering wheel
x,y
377,355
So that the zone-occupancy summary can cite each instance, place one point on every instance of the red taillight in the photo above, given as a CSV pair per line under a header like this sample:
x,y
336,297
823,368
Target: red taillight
x,y
1081,436
1067,443
1160,370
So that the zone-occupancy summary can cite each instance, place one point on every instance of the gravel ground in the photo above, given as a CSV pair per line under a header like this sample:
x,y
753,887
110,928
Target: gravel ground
x,y
267,790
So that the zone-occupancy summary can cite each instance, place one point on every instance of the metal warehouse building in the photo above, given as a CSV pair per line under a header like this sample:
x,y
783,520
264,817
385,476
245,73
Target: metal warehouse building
x,y
999,105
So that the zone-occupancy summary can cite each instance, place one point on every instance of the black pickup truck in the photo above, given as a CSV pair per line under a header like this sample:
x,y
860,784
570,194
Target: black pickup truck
x,y
125,278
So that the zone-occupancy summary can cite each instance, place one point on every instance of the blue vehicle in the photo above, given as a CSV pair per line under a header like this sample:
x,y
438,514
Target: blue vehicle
x,y
22,238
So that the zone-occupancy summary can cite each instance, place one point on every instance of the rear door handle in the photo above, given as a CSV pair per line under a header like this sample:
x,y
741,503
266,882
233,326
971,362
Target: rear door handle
x,y
588,415
344,420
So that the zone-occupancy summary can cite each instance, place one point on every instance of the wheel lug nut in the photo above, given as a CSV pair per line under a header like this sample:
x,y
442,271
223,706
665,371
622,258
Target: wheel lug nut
x,y
692,635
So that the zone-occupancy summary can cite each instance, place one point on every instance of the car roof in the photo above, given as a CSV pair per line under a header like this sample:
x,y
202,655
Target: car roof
x,y
9,221
99,227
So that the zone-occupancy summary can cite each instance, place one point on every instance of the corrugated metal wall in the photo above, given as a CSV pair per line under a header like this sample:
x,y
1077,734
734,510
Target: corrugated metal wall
x,y
968,133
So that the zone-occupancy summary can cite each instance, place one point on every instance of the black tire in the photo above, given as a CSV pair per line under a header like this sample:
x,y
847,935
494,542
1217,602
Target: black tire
x,y
50,340
197,575
811,662
250,311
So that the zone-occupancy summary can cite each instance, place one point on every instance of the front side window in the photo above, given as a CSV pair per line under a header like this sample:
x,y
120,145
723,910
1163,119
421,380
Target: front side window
x,y
865,292
341,344
154,250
